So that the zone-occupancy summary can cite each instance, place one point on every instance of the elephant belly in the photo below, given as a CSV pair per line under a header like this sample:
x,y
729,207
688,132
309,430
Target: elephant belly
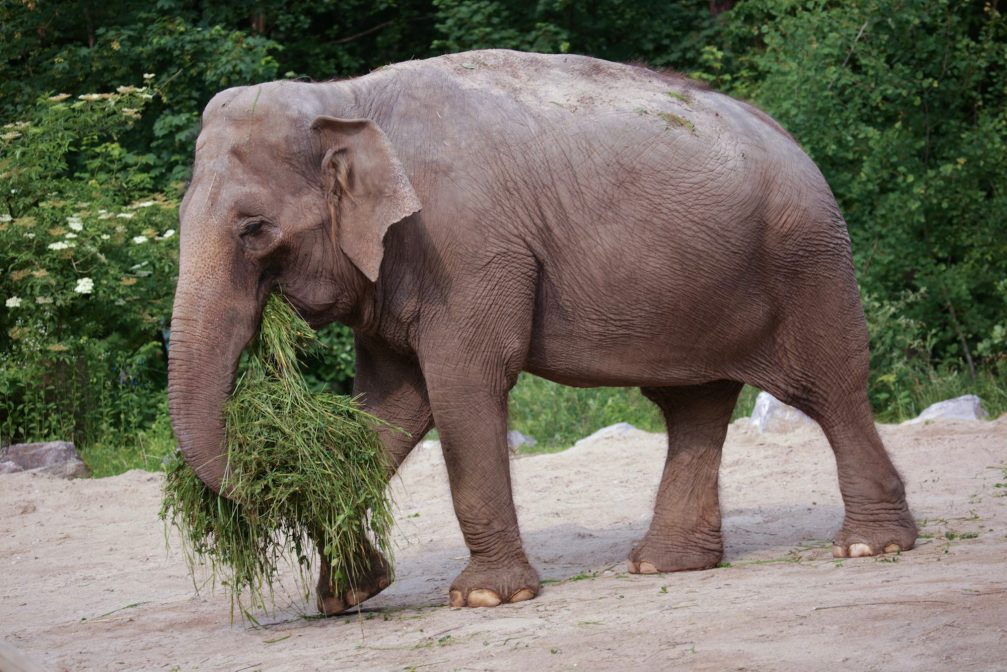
x,y
596,362
659,339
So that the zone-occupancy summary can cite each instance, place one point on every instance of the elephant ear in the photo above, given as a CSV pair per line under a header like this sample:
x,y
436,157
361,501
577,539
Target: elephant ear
x,y
366,188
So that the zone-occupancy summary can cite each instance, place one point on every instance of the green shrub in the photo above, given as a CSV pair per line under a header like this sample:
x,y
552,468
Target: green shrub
x,y
557,416
88,263
332,365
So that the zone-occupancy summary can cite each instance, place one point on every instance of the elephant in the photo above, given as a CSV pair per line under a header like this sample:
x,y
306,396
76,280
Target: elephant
x,y
475,215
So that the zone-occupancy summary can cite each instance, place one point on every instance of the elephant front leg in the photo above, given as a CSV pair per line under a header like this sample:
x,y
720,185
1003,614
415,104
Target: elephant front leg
x,y
473,427
392,389
331,602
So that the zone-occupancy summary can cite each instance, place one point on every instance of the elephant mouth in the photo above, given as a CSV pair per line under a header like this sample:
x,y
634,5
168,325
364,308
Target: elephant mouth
x,y
319,304
314,314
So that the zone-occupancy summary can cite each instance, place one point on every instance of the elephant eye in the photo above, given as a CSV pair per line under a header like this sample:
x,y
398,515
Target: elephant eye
x,y
249,227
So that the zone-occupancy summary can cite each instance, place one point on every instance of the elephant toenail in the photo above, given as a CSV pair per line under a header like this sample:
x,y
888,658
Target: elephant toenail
x,y
481,597
838,551
355,596
648,568
632,567
522,595
860,551
892,548
455,599
330,606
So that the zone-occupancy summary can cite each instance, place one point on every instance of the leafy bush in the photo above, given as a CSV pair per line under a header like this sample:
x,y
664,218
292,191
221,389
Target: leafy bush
x,y
557,416
331,366
46,47
87,270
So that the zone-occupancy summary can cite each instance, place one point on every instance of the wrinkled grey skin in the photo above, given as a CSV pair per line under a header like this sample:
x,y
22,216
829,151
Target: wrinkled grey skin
x,y
481,214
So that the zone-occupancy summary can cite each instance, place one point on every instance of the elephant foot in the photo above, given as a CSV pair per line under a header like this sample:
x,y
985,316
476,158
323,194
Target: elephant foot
x,y
488,584
694,552
860,537
331,603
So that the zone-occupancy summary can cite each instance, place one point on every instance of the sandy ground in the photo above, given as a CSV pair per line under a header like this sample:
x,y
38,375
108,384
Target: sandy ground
x,y
86,582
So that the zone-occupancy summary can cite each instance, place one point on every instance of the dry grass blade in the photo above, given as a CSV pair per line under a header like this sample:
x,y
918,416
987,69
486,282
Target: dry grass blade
x,y
306,470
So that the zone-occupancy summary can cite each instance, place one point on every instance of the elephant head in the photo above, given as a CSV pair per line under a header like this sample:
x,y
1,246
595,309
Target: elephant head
x,y
282,196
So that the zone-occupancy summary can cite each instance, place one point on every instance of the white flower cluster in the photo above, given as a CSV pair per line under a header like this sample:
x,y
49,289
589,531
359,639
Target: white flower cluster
x,y
139,240
60,245
84,286
168,234
13,302
75,223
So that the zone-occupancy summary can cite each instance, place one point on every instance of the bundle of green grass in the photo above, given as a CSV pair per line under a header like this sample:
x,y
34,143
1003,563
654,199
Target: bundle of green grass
x,y
306,471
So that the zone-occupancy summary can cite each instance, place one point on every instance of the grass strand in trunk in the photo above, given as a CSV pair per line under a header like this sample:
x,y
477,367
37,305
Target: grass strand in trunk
x,y
305,470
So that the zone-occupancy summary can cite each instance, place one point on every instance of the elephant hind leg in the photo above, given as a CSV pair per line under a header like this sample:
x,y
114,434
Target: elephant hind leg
x,y
824,373
877,519
685,530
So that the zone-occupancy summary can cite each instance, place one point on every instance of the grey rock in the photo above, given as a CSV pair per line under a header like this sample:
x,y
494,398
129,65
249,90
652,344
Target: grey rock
x,y
773,416
9,468
515,440
53,458
966,407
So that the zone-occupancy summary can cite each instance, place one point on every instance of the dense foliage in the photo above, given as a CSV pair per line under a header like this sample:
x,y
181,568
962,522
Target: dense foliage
x,y
88,257
902,103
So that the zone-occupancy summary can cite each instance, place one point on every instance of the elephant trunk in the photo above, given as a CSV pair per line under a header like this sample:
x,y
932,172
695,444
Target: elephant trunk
x,y
208,333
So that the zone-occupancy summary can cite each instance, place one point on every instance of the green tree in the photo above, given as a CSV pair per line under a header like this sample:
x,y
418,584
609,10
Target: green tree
x,y
662,34
51,48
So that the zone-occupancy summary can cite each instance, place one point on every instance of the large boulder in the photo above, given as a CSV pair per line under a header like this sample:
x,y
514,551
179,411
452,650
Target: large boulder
x,y
966,407
53,458
773,416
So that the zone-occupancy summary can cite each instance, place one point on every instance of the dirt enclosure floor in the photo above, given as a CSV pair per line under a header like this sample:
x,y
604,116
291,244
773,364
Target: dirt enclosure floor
x,y
86,583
